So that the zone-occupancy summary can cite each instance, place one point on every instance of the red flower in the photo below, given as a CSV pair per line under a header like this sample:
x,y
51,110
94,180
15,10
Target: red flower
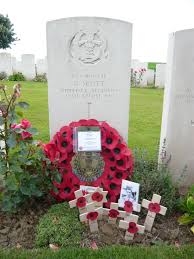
x,y
128,206
96,196
113,213
25,135
132,228
51,151
123,163
63,144
92,215
154,207
25,124
66,132
81,202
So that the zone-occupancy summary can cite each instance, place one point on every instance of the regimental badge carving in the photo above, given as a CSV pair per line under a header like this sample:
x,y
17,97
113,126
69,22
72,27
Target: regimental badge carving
x,y
88,166
88,47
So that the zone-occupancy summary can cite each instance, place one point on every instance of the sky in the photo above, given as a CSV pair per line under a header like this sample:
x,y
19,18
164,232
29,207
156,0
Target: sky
x,y
153,21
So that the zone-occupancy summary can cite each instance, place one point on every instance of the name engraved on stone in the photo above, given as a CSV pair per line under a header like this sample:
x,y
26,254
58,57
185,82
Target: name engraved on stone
x,y
88,47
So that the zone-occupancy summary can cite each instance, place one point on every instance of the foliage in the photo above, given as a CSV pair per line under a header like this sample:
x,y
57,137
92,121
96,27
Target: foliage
x,y
187,206
154,180
111,252
152,65
40,78
3,75
7,34
17,77
24,169
61,226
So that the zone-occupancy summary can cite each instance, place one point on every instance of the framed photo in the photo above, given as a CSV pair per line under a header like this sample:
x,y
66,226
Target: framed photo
x,y
129,192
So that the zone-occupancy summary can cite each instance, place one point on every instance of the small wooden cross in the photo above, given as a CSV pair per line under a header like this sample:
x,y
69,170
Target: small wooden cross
x,y
154,208
129,207
99,196
80,201
131,226
113,213
91,216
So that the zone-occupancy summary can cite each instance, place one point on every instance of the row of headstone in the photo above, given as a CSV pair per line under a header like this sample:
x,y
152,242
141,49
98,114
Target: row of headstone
x,y
89,70
27,66
149,76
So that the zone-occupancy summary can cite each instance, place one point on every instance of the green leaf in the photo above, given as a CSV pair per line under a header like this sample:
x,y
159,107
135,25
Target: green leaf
x,y
32,131
190,204
57,177
186,219
11,142
11,183
23,105
25,190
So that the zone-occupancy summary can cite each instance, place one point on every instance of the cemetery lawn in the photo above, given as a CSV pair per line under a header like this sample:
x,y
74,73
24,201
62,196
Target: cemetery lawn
x,y
116,252
145,114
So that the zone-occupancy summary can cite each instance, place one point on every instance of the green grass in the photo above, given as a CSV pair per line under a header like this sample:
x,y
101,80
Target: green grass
x,y
115,252
145,114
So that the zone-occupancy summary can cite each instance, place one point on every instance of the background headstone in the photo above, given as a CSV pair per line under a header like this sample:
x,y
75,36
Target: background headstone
x,y
89,71
28,66
177,132
5,63
150,75
160,75
41,66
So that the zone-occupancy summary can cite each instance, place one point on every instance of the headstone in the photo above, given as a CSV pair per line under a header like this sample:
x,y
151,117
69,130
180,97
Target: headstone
x,y
177,131
141,69
13,65
160,75
28,66
41,66
5,63
89,71
150,75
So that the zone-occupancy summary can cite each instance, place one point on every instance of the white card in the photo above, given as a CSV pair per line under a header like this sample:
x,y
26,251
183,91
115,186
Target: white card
x,y
89,141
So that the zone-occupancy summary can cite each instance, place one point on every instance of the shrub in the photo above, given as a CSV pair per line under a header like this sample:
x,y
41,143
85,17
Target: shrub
x,y
40,78
23,166
3,75
154,180
187,206
17,77
61,226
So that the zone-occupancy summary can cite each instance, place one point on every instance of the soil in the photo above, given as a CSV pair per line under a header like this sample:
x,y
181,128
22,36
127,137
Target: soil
x,y
18,230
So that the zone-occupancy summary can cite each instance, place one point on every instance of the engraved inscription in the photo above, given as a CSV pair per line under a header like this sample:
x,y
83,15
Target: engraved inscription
x,y
88,47
186,96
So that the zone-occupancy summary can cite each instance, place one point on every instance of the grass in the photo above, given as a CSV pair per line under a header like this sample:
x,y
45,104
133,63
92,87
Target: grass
x,y
115,252
145,114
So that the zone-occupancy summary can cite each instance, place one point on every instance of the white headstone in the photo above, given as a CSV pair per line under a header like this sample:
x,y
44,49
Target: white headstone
x,y
142,75
13,64
89,71
177,132
5,63
150,74
28,66
160,75
41,66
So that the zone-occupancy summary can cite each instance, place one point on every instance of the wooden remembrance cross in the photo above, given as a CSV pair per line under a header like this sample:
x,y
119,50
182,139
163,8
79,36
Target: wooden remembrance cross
x,y
91,216
80,201
131,226
154,208
113,213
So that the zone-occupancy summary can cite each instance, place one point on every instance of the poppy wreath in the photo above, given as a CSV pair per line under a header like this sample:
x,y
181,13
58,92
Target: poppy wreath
x,y
115,153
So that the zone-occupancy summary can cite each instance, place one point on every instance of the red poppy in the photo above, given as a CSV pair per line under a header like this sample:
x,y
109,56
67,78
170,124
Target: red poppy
x,y
154,207
96,196
93,215
133,229
66,132
128,206
113,213
81,202
120,149
123,162
63,144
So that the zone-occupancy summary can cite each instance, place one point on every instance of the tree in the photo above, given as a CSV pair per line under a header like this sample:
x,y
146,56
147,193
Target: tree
x,y
7,34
